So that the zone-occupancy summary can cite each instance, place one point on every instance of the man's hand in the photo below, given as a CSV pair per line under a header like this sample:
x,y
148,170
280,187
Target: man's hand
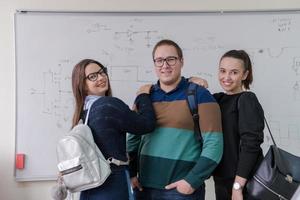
x,y
135,183
182,187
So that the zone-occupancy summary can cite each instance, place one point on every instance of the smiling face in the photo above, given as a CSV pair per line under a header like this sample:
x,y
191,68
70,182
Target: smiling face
x,y
99,84
231,74
169,73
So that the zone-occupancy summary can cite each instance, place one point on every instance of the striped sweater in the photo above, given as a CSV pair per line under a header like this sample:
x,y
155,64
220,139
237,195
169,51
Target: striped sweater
x,y
172,152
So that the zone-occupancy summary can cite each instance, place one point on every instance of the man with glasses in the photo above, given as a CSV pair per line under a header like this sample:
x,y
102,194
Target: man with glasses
x,y
169,163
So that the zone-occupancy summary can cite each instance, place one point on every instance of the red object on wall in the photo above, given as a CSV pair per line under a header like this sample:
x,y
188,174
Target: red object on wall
x,y
20,161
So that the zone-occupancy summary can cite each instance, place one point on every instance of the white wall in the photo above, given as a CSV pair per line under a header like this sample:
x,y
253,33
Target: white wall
x,y
11,190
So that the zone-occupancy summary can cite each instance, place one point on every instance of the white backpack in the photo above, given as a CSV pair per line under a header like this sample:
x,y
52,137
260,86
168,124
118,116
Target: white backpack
x,y
81,164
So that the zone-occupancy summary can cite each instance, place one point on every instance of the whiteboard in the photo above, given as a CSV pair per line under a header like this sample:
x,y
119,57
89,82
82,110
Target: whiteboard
x,y
49,44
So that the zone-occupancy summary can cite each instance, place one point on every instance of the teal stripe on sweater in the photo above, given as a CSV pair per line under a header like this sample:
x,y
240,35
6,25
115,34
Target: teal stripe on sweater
x,y
171,143
178,144
213,146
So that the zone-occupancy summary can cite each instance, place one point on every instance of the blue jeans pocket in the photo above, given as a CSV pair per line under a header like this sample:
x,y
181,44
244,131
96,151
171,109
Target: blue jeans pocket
x,y
161,194
175,195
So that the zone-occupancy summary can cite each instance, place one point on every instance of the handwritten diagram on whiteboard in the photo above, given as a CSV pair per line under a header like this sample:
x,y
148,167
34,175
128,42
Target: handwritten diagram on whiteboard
x,y
49,44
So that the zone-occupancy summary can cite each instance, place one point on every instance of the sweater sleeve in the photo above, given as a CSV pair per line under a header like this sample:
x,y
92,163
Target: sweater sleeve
x,y
132,147
251,126
211,129
143,120
143,106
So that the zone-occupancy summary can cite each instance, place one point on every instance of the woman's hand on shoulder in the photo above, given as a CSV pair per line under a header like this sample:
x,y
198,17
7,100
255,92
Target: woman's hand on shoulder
x,y
199,81
144,89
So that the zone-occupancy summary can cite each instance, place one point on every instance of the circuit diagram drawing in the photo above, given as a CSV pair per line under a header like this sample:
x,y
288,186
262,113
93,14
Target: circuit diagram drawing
x,y
55,95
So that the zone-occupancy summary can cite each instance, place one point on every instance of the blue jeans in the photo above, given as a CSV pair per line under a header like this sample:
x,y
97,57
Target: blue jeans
x,y
114,188
161,194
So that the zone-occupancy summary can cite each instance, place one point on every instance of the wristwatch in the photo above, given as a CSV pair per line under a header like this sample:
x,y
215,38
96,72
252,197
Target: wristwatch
x,y
237,186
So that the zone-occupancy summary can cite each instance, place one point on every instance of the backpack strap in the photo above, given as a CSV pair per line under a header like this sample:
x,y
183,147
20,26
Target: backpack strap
x,y
117,162
193,106
88,104
87,117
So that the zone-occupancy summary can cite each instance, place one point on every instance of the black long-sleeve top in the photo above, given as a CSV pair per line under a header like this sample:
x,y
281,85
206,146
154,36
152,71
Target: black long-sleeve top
x,y
243,125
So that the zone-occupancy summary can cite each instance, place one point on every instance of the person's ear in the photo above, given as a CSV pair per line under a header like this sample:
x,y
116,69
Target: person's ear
x,y
245,75
182,61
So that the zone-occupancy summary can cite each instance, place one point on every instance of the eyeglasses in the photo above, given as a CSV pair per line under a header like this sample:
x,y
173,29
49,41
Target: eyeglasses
x,y
171,61
94,76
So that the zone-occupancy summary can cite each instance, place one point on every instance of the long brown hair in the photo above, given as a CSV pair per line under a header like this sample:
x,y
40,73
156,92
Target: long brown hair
x,y
79,87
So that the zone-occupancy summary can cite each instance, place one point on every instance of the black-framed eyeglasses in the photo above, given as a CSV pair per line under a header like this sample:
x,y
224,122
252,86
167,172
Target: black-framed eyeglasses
x,y
171,61
94,76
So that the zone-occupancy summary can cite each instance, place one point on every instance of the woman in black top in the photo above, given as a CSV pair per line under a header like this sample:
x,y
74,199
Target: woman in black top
x,y
243,125
109,119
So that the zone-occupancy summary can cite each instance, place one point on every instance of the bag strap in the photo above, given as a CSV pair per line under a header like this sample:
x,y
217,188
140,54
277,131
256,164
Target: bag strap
x,y
279,161
117,162
193,106
88,106
277,156
270,132
87,117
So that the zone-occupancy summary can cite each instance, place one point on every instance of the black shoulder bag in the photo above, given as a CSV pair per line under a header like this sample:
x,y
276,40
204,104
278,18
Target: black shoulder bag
x,y
278,175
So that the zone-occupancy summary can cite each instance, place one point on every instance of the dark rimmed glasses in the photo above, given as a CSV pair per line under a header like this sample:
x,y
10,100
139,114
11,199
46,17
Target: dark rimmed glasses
x,y
94,76
171,61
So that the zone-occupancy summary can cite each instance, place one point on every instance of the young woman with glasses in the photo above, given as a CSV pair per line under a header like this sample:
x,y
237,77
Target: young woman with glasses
x,y
109,119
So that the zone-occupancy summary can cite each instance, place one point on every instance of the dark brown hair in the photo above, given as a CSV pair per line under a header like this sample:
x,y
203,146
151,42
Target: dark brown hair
x,y
79,87
169,43
242,55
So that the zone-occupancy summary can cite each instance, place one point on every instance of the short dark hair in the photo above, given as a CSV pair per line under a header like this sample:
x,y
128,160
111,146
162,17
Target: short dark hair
x,y
169,43
242,55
